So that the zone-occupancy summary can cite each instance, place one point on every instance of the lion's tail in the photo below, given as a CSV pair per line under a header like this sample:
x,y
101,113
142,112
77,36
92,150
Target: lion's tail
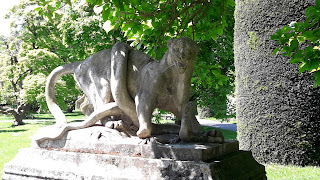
x,y
50,90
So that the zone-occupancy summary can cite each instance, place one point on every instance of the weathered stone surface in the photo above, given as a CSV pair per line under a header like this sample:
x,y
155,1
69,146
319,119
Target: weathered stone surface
x,y
101,153
31,163
99,139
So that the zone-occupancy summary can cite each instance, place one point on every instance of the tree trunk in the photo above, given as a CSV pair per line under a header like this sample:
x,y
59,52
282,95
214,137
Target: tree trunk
x,y
278,109
18,119
19,114
70,110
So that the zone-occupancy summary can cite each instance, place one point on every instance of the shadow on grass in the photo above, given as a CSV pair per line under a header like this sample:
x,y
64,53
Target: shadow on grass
x,y
18,130
45,123
48,123
76,120
48,118
74,114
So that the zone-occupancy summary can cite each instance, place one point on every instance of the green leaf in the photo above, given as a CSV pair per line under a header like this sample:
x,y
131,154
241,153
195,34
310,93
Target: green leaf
x,y
308,49
285,49
220,31
301,39
294,44
276,50
139,46
38,8
105,13
119,4
274,37
303,67
231,2
98,2
58,4
316,78
295,60
91,1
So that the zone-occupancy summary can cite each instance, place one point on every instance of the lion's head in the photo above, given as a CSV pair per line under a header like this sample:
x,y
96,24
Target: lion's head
x,y
182,52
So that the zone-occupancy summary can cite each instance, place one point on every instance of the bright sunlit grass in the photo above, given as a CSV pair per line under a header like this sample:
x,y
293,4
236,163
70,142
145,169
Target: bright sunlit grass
x,y
282,172
6,117
76,115
13,138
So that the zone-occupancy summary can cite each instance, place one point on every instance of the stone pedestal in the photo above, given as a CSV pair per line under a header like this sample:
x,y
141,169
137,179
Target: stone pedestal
x,y
90,154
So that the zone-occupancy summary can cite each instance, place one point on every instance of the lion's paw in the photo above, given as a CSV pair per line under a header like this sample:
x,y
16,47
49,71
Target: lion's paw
x,y
117,125
215,136
144,133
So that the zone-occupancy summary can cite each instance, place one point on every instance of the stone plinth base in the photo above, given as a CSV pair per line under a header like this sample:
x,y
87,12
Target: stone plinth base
x,y
71,158
33,163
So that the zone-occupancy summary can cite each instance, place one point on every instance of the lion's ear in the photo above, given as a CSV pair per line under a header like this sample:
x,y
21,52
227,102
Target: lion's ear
x,y
169,43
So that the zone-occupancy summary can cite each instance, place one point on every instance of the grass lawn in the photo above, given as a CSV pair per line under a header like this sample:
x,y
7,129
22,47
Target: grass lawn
x,y
76,115
70,116
282,172
13,138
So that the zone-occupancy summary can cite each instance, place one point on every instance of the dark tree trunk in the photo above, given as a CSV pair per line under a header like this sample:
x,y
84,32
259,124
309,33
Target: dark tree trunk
x,y
18,119
19,114
71,109
278,109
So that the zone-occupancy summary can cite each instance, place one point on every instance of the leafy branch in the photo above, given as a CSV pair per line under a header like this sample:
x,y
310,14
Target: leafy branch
x,y
300,41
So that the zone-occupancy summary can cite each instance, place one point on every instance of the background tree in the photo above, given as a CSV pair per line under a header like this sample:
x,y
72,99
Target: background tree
x,y
13,74
41,44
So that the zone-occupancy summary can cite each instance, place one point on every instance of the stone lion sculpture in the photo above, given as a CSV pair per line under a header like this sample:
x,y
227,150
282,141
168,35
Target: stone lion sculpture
x,y
122,87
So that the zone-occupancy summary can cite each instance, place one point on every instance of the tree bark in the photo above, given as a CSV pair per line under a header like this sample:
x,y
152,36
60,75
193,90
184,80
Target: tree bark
x,y
278,109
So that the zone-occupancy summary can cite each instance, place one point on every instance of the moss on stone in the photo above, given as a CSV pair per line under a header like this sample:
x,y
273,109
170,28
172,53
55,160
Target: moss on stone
x,y
253,40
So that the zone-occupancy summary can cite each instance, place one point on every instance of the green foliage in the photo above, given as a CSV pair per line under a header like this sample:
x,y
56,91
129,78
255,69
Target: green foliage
x,y
152,23
41,43
213,76
301,42
160,115
34,86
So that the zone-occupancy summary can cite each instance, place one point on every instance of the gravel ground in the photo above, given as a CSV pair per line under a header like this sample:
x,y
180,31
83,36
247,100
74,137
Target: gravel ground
x,y
217,124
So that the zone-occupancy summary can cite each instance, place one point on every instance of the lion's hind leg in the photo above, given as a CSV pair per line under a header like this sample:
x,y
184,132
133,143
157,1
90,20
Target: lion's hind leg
x,y
191,131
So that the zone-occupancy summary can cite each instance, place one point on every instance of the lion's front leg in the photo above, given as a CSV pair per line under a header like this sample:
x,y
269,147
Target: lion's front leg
x,y
144,110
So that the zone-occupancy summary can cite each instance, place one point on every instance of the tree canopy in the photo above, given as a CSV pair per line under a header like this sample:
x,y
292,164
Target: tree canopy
x,y
153,22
